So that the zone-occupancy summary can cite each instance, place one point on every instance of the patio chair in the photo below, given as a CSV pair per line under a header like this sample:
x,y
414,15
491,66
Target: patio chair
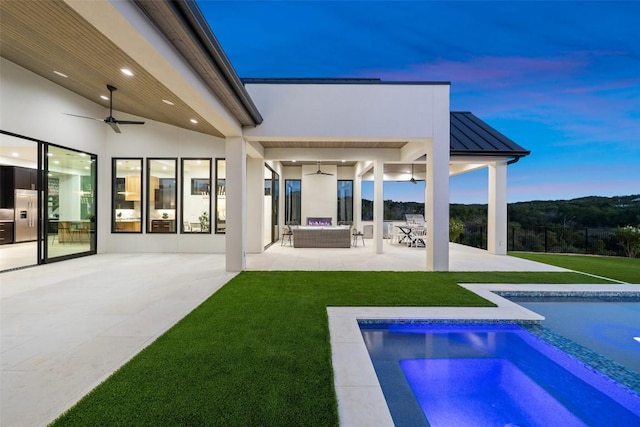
x,y
287,234
417,236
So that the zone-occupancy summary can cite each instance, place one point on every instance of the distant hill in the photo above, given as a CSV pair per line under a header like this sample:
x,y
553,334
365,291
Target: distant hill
x,y
593,212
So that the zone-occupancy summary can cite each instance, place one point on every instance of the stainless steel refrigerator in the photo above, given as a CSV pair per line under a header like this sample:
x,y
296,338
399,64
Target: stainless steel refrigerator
x,y
26,215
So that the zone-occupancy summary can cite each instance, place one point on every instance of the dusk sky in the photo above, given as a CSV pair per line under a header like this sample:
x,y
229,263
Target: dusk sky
x,y
560,78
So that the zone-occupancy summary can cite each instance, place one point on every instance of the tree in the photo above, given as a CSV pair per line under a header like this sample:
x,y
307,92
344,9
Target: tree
x,y
629,239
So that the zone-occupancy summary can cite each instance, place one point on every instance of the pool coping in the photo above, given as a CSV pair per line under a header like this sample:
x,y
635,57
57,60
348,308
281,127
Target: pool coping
x,y
360,397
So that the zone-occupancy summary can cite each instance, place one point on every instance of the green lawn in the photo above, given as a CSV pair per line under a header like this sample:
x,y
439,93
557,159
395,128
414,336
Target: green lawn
x,y
623,269
257,352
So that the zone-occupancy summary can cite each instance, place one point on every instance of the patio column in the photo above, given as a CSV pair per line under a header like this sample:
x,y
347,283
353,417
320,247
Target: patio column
x,y
437,188
497,211
378,205
255,193
236,204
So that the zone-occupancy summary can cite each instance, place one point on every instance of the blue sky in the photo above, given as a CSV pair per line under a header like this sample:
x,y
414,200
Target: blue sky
x,y
560,78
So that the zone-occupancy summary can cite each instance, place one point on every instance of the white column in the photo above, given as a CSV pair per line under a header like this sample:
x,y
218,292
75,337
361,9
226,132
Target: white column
x,y
437,188
255,193
236,203
357,202
497,212
378,205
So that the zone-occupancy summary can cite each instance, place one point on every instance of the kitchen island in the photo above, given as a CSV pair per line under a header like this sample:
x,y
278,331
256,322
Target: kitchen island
x,y
321,237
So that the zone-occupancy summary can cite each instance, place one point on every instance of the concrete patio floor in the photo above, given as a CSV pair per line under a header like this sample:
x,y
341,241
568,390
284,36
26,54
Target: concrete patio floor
x,y
65,327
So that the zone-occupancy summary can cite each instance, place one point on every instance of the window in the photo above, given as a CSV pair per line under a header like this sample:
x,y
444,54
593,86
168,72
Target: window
x,y
345,201
126,191
196,196
71,202
161,195
221,194
292,201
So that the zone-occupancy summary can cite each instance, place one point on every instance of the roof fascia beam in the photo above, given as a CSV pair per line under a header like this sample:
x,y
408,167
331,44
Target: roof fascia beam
x,y
413,150
319,154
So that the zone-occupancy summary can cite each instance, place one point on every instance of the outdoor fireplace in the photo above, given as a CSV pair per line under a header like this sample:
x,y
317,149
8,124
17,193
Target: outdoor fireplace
x,y
319,221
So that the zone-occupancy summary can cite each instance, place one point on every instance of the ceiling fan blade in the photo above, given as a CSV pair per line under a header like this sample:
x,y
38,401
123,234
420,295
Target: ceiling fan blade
x,y
84,117
129,122
114,125
325,173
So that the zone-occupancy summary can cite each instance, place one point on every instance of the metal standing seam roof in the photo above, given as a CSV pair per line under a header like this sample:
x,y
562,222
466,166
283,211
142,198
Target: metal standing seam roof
x,y
472,136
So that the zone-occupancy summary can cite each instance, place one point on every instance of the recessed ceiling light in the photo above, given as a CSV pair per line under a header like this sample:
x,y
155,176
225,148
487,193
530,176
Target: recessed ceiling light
x,y
105,97
126,72
14,154
293,161
166,101
343,161
61,74
194,121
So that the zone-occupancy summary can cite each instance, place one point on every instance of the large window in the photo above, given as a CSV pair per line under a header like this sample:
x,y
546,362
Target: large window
x,y
345,201
161,195
292,201
126,203
221,195
71,202
196,196
271,195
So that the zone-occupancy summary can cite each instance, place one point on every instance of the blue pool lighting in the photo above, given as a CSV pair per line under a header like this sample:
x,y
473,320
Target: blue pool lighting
x,y
440,374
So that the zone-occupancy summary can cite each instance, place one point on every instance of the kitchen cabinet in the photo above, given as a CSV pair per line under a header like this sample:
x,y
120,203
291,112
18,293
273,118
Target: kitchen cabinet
x,y
163,226
6,233
15,178
132,188
25,179
154,183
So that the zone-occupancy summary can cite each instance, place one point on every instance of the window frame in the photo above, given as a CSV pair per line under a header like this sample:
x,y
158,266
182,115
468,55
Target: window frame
x,y
114,195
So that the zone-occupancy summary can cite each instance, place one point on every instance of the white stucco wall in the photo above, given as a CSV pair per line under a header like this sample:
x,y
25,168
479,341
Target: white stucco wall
x,y
34,107
338,111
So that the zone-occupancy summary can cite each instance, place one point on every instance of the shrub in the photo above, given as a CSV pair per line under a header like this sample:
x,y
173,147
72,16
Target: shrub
x,y
456,227
629,239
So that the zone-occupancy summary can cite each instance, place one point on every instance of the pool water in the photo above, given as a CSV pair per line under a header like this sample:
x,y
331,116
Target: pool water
x,y
489,375
611,328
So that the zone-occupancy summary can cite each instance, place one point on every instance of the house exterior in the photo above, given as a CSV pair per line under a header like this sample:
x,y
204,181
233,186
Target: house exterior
x,y
214,166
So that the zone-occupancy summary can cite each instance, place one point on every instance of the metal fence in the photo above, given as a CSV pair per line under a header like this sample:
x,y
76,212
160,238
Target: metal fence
x,y
594,241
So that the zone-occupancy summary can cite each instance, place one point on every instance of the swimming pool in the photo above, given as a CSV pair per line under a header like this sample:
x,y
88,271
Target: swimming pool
x,y
607,325
452,374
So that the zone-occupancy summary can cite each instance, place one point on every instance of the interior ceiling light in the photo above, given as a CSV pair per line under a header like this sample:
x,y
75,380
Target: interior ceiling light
x,y
127,72
166,101
194,121
60,74
105,97
15,154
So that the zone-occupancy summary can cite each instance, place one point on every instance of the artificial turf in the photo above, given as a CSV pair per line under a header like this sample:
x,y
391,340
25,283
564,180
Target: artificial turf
x,y
257,352
623,269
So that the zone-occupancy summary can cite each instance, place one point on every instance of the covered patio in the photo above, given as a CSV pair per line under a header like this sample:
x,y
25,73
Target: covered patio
x,y
394,258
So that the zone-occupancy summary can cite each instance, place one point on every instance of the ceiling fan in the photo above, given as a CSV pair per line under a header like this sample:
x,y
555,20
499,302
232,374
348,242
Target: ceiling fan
x,y
319,172
412,180
110,120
